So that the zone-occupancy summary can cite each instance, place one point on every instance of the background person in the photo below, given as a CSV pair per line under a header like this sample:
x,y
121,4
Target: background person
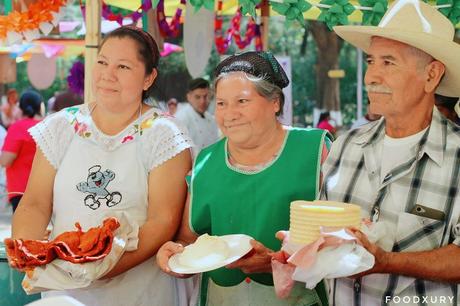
x,y
137,155
19,148
65,99
200,123
324,124
172,106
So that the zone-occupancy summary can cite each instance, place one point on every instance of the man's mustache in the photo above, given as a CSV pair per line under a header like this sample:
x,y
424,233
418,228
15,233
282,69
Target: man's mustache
x,y
378,89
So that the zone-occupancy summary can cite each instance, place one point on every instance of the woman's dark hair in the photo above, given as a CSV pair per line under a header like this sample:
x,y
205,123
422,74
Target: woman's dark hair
x,y
29,103
323,116
147,47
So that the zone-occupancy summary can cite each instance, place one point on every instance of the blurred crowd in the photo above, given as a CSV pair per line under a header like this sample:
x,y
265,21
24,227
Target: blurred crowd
x,y
18,113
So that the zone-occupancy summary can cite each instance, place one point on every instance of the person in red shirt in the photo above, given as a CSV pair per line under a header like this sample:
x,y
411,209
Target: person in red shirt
x,y
323,123
19,148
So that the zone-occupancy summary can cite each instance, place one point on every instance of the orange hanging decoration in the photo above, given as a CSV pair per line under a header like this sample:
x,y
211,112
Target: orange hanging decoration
x,y
36,13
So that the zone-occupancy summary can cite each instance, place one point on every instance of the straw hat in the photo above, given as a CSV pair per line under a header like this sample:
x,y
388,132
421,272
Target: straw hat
x,y
419,25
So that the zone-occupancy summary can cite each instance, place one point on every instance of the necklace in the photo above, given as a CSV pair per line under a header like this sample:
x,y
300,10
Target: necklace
x,y
256,167
250,169
132,119
111,142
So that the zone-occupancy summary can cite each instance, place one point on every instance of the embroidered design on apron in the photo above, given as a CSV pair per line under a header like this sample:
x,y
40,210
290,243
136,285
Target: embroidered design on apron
x,y
96,185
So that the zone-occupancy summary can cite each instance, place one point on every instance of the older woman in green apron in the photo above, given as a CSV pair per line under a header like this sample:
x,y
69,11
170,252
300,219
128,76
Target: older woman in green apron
x,y
244,183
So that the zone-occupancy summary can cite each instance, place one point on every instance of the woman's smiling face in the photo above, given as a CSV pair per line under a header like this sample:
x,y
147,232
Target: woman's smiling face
x,y
119,75
243,115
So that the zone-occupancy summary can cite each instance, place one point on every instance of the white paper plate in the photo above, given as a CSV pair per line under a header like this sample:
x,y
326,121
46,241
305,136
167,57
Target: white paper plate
x,y
238,245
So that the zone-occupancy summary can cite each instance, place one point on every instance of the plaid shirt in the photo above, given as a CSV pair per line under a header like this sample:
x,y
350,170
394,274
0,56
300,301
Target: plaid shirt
x,y
430,177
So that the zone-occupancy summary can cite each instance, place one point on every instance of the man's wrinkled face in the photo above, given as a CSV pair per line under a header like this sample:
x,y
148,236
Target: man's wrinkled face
x,y
394,79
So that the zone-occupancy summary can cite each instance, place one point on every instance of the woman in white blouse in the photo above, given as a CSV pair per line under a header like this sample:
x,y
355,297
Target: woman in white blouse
x,y
114,154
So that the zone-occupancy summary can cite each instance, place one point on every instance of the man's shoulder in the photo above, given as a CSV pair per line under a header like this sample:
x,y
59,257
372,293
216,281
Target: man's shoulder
x,y
360,134
183,111
453,134
359,122
443,131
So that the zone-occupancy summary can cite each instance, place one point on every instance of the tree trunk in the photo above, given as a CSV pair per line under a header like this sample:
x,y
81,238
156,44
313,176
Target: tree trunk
x,y
328,45
304,44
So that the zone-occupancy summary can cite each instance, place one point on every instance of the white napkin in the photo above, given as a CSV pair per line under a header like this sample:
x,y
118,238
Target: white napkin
x,y
64,275
344,260
337,254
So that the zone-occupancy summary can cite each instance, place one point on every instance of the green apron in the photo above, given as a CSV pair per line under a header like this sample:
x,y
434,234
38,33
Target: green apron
x,y
228,201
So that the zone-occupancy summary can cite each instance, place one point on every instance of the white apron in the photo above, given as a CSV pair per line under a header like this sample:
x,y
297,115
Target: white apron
x,y
93,180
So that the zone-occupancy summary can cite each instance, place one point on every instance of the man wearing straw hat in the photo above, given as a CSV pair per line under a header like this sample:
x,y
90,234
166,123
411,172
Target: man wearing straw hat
x,y
404,169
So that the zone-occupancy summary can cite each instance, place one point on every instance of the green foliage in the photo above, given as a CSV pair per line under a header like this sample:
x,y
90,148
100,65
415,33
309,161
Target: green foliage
x,y
248,7
287,40
214,60
173,63
333,12
337,14
197,4
453,12
379,7
292,9
118,10
348,113
155,3
348,85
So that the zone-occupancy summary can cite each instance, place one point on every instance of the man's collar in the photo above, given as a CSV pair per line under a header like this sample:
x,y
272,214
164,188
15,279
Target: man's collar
x,y
197,112
370,132
202,115
434,146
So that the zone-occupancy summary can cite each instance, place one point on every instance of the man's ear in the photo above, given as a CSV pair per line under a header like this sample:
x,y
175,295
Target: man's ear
x,y
434,73
148,81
